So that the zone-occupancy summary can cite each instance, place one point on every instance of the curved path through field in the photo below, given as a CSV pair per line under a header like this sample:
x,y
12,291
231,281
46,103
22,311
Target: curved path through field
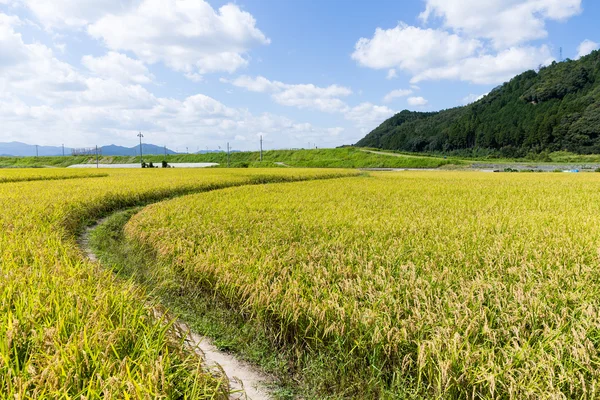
x,y
246,381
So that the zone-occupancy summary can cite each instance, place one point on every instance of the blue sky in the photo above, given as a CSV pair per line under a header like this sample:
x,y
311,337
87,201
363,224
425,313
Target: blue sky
x,y
196,74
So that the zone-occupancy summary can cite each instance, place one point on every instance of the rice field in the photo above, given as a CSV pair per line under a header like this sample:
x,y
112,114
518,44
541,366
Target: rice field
x,y
405,285
25,175
69,328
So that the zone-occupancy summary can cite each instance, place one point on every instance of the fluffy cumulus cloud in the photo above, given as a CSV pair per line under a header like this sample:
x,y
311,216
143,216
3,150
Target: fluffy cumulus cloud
x,y
297,95
484,42
44,100
107,99
490,68
417,101
394,94
32,68
187,35
364,116
72,14
586,47
367,116
504,22
119,67
411,48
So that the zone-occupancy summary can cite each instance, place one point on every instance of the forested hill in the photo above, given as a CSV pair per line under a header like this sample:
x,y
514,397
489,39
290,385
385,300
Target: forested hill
x,y
557,108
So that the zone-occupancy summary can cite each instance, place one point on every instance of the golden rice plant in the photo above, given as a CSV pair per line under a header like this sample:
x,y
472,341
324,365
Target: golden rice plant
x,y
411,284
69,329
39,174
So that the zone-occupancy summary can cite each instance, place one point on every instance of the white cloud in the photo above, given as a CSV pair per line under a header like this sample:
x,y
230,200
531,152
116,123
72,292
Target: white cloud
x,y
311,96
412,49
417,101
187,35
32,69
46,101
365,115
396,93
297,95
119,67
199,119
483,42
490,69
368,115
392,74
335,131
434,54
586,47
472,98
60,14
107,92
504,22
259,84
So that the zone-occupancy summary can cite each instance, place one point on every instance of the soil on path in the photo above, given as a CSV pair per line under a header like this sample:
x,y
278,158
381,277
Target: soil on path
x,y
245,380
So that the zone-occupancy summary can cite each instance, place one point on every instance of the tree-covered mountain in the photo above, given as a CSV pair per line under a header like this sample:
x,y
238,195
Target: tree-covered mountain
x,y
557,108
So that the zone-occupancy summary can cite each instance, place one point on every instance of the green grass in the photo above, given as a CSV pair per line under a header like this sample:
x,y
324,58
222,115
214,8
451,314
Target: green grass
x,y
208,314
348,157
42,162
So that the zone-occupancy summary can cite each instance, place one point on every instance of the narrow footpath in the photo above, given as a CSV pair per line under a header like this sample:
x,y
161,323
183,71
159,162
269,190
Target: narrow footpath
x,y
245,380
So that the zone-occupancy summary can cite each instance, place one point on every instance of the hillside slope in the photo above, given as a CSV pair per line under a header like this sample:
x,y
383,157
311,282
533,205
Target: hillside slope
x,y
557,108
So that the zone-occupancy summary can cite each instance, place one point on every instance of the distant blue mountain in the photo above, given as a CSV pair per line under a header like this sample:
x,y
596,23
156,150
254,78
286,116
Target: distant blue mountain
x,y
23,150
114,150
18,149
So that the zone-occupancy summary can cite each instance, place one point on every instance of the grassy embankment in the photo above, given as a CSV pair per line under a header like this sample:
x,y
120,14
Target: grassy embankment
x,y
69,329
321,158
418,285
348,157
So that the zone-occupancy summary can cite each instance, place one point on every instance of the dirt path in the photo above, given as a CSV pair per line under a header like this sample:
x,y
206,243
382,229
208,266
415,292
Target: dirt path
x,y
245,380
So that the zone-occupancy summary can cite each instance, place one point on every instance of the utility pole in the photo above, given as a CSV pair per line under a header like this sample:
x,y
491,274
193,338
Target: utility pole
x,y
165,151
36,150
260,148
97,166
63,147
227,154
187,151
560,56
141,155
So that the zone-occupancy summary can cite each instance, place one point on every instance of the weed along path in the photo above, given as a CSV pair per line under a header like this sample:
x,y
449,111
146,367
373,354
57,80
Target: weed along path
x,y
245,380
